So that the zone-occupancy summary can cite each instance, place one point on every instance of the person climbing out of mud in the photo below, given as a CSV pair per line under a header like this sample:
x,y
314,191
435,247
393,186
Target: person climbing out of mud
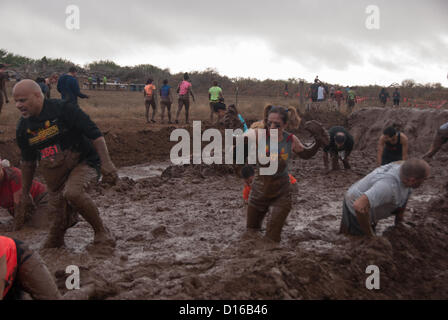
x,y
248,173
214,96
166,100
381,194
184,90
149,94
72,153
274,191
392,146
11,191
340,147
440,139
23,270
233,119
3,78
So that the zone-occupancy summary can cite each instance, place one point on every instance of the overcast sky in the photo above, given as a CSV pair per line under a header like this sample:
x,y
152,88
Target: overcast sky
x,y
262,39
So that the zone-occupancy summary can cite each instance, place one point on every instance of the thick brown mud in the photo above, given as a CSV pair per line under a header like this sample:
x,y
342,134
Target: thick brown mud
x,y
179,233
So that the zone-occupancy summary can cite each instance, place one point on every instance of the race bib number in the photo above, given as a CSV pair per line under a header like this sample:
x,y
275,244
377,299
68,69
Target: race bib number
x,y
49,152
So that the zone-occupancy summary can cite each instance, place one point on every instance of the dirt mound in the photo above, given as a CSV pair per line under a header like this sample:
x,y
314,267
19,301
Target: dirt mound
x,y
420,125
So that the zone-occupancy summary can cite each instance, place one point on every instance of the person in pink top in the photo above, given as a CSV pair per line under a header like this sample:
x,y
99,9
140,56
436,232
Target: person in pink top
x,y
184,90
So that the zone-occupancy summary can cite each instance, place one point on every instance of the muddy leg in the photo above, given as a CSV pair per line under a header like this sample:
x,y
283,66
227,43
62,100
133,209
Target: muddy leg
x,y
75,192
276,223
168,107
57,205
35,279
254,218
179,109
147,111
154,109
187,110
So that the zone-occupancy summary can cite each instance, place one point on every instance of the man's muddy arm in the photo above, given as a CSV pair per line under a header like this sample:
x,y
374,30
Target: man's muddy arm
x,y
362,210
107,167
192,94
405,149
379,157
28,169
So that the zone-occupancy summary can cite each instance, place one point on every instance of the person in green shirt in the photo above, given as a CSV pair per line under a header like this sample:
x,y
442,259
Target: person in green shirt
x,y
214,95
104,82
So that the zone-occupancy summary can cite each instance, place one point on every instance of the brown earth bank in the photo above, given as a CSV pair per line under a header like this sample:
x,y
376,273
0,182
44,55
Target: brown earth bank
x,y
179,234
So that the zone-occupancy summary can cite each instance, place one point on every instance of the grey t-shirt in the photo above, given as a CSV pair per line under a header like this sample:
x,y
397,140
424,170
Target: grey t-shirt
x,y
383,188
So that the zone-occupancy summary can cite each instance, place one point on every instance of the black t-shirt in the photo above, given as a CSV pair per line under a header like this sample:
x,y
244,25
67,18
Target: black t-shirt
x,y
348,144
61,125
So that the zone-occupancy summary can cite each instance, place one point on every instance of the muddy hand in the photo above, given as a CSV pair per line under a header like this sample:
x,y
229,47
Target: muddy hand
x,y
109,173
24,210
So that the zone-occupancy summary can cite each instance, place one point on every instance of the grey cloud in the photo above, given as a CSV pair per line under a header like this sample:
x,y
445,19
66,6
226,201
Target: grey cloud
x,y
316,34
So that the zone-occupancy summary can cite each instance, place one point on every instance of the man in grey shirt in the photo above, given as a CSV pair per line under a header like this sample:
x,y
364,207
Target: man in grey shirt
x,y
381,194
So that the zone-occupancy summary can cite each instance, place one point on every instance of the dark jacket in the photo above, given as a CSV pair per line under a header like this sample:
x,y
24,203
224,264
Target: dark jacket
x,y
68,87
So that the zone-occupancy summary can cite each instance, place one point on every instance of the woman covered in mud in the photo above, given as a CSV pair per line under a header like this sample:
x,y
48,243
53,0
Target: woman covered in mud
x,y
274,191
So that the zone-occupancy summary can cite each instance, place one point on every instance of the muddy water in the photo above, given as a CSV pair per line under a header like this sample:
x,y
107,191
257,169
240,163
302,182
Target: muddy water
x,y
180,237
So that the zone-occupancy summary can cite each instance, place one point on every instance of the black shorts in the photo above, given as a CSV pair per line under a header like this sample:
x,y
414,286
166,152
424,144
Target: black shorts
x,y
219,106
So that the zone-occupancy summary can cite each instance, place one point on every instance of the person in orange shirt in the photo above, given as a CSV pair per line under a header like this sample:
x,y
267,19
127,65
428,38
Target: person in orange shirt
x,y
248,174
23,269
150,99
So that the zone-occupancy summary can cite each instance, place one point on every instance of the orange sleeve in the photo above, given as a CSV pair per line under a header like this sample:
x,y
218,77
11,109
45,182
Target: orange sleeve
x,y
292,180
246,192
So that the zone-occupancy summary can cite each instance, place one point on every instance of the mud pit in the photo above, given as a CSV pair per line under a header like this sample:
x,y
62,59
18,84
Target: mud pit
x,y
179,234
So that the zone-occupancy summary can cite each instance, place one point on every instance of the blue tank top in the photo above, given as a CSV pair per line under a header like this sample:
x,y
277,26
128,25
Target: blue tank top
x,y
165,91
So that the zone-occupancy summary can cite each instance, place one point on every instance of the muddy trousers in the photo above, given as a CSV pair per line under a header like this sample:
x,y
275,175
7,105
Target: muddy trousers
x,y
275,224
148,104
165,104
272,194
73,194
181,103
33,277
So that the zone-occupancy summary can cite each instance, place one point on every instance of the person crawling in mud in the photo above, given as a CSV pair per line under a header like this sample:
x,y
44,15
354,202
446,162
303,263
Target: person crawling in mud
x,y
274,192
220,109
381,194
11,191
440,139
392,146
71,151
340,147
248,173
23,270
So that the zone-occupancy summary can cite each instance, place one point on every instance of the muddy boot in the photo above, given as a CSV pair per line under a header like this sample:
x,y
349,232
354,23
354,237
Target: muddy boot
x,y
309,152
318,132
